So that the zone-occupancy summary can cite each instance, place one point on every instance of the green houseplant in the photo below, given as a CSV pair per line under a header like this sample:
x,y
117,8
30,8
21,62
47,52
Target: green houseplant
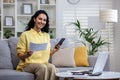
x,y
8,33
91,39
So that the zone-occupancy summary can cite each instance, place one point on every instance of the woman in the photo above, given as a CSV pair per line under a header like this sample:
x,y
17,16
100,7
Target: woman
x,y
36,62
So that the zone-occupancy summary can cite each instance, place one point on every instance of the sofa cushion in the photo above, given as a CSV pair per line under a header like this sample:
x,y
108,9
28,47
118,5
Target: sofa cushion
x,y
7,74
64,57
81,56
5,55
12,44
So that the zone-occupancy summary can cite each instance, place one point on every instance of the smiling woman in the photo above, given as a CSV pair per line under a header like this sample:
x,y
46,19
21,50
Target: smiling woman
x,y
73,1
37,32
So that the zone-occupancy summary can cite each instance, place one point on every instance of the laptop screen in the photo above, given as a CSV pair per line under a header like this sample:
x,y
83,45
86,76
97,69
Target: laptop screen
x,y
100,62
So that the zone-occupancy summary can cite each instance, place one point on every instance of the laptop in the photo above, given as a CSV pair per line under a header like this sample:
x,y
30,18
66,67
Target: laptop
x,y
98,67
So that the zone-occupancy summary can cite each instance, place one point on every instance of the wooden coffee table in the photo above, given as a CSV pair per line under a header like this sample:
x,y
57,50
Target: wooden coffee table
x,y
105,76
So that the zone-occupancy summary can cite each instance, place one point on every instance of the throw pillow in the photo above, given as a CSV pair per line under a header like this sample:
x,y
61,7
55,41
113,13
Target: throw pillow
x,y
5,55
81,56
64,58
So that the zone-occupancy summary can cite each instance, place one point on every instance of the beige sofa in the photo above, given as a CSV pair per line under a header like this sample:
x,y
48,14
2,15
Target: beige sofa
x,y
9,61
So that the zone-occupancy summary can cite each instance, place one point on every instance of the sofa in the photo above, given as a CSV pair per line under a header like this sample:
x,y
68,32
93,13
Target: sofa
x,y
9,61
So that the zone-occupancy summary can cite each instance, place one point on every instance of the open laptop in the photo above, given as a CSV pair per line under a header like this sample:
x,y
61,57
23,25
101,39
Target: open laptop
x,y
98,67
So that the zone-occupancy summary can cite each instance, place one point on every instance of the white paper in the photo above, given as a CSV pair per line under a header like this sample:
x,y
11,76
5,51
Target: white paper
x,y
37,47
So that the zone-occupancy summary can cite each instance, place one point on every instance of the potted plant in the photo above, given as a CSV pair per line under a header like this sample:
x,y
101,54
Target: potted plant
x,y
90,38
8,33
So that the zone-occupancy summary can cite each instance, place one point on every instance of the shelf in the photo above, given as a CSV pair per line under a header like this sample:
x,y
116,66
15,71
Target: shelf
x,y
8,26
8,9
49,5
24,15
20,19
8,3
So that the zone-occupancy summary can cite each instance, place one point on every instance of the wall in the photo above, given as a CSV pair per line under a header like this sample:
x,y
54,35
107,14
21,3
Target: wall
x,y
115,56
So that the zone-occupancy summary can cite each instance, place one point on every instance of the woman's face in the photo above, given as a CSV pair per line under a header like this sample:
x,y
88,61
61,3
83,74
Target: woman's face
x,y
40,21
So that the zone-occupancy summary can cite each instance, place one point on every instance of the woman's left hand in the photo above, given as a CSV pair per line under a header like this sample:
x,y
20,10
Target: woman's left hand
x,y
55,49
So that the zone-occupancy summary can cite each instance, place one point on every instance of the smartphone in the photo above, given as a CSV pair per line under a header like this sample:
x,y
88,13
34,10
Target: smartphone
x,y
60,42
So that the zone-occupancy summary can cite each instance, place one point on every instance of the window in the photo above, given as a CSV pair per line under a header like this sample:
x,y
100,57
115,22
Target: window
x,y
82,12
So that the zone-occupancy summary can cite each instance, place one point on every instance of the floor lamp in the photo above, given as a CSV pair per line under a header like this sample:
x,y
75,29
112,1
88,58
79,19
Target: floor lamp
x,y
108,16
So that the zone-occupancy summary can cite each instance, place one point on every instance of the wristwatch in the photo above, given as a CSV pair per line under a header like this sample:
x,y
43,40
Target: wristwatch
x,y
73,1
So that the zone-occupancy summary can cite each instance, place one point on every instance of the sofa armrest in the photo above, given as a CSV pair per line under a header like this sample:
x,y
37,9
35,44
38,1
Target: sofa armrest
x,y
92,61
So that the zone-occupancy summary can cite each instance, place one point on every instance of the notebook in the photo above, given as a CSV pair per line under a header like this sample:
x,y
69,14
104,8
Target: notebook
x,y
98,67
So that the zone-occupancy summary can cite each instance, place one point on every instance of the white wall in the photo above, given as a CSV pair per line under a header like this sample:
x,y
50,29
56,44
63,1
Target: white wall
x,y
114,57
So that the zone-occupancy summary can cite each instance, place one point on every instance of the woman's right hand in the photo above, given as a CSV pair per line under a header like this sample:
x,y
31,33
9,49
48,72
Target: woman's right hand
x,y
23,56
29,53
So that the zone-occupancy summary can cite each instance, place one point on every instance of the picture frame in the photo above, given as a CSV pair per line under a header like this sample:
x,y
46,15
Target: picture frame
x,y
8,21
27,8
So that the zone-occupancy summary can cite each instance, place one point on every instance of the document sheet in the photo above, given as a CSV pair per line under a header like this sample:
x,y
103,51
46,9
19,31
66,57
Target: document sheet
x,y
38,47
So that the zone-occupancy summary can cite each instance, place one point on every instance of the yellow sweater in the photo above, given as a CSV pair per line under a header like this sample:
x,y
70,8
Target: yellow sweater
x,y
23,46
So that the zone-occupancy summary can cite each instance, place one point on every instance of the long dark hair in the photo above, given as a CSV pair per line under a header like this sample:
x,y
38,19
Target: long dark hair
x,y
31,23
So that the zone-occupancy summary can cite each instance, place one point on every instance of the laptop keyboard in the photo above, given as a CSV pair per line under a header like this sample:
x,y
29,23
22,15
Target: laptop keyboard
x,y
87,72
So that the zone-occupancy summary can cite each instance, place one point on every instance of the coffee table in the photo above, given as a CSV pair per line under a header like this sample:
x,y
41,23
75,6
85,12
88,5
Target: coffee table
x,y
105,75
